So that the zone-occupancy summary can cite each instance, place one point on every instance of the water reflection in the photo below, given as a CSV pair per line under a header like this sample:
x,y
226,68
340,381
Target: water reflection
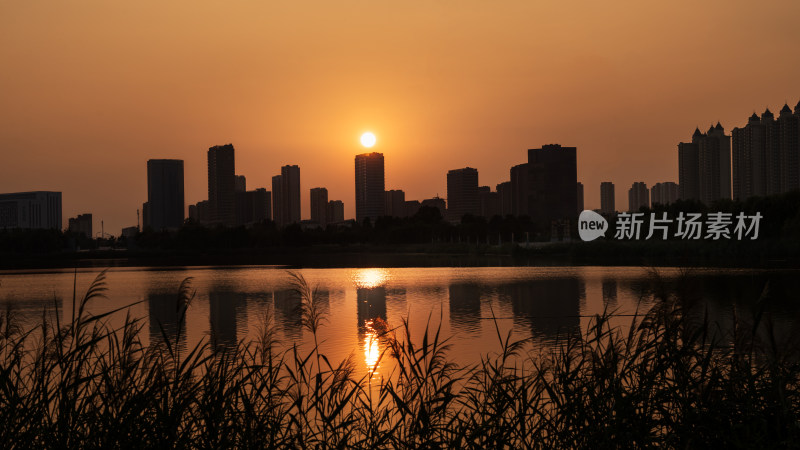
x,y
370,278
465,307
227,308
287,308
550,307
166,317
610,293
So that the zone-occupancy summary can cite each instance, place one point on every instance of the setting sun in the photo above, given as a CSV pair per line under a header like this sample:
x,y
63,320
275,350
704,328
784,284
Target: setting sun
x,y
368,139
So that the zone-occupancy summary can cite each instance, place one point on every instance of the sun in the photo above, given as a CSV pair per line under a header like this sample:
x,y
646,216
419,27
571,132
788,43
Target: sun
x,y
368,139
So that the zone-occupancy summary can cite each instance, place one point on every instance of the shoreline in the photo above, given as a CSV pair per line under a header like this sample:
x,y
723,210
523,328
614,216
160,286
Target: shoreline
x,y
773,254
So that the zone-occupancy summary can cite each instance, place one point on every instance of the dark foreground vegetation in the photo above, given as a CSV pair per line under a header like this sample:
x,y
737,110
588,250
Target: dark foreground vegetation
x,y
670,381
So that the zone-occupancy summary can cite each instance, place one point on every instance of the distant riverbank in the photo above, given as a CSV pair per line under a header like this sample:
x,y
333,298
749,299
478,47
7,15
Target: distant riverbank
x,y
781,253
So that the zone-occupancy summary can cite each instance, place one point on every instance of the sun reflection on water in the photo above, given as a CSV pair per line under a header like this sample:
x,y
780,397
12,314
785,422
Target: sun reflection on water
x,y
372,351
370,278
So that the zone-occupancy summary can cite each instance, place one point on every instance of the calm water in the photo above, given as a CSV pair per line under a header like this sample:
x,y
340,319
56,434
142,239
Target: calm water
x,y
542,303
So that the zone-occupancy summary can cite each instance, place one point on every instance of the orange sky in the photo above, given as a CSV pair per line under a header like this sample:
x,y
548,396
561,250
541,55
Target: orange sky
x,y
92,89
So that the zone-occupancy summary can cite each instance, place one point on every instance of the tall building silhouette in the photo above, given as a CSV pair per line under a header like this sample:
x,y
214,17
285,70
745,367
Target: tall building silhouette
x,y
462,193
253,206
607,198
31,210
579,193
81,225
488,202
638,196
319,206
277,200
335,211
519,190
394,203
715,165
370,186
552,177
290,178
765,154
221,185
504,194
704,166
165,201
664,193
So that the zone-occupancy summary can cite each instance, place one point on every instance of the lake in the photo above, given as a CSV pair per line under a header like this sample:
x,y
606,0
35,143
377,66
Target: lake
x,y
469,304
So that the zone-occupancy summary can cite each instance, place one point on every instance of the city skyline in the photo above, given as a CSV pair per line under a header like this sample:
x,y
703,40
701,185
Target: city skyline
x,y
93,91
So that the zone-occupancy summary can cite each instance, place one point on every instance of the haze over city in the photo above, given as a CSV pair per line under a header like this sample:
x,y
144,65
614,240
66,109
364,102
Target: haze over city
x,y
92,90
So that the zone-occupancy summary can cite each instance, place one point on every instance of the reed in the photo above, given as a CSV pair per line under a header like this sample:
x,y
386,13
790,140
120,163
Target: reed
x,y
670,379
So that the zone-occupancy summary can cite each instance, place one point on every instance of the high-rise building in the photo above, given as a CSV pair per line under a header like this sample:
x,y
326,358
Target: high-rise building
x,y
240,183
252,206
370,186
715,165
488,202
504,194
335,211
462,194
638,197
765,154
165,194
552,177
277,201
319,206
664,193
519,190
290,177
222,185
394,203
580,197
704,166
31,210
607,199
81,225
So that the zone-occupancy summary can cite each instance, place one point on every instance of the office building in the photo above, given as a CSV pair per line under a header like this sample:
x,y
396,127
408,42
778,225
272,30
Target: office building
x,y
335,211
519,190
221,185
252,207
638,197
81,225
664,193
488,202
370,186
607,198
462,194
552,180
394,203
290,192
277,201
504,194
240,183
165,201
319,206
31,210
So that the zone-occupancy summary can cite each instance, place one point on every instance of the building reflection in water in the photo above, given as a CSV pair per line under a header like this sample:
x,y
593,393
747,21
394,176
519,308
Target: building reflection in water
x,y
167,318
227,309
609,292
465,307
287,313
551,307
31,310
